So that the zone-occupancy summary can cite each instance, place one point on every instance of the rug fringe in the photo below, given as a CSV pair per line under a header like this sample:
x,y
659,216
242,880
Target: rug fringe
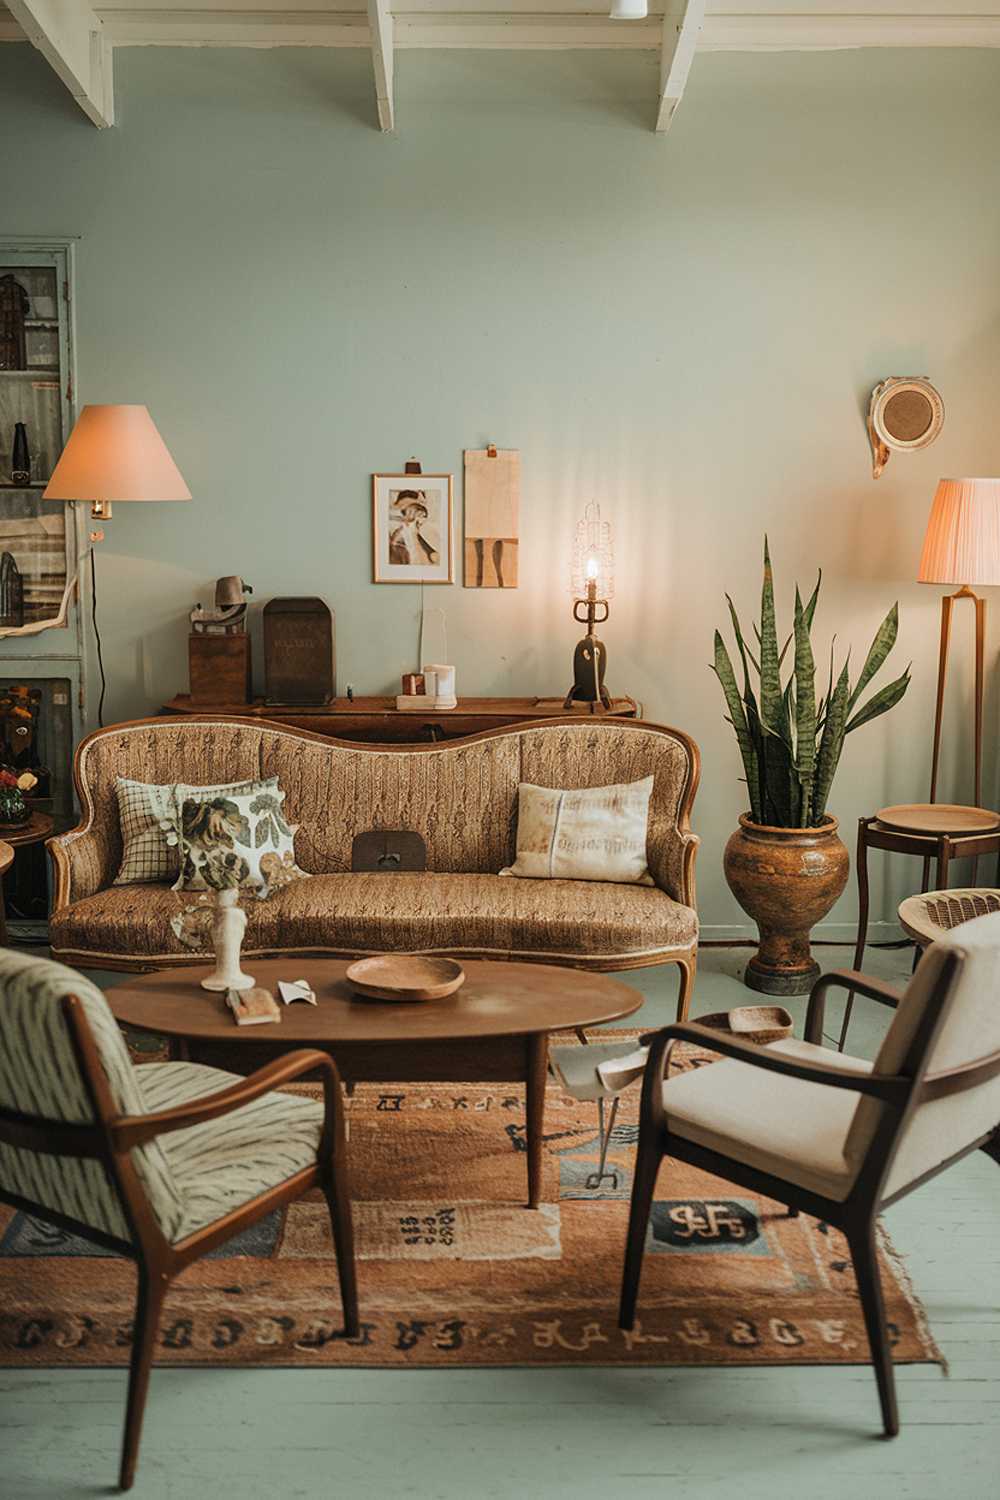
x,y
902,1274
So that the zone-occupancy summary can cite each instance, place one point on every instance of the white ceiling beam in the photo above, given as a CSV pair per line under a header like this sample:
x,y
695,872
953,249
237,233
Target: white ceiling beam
x,y
381,25
681,30
73,41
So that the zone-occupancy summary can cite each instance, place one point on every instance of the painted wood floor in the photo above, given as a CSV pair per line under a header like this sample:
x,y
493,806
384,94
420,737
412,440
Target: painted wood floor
x,y
554,1434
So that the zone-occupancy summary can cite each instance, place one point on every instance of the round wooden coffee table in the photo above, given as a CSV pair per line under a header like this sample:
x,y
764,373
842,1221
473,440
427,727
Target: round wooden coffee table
x,y
495,1029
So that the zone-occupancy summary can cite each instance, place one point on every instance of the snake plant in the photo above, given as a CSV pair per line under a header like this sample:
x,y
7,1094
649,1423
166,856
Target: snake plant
x,y
790,743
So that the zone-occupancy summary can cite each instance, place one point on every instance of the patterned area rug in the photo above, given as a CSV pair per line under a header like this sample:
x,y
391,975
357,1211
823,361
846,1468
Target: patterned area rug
x,y
455,1270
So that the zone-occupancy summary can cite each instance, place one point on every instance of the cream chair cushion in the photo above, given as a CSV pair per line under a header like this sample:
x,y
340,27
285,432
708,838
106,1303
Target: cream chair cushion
x,y
970,1030
788,1127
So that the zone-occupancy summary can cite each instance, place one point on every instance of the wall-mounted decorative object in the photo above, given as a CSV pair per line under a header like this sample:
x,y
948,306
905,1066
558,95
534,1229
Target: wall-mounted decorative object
x,y
299,662
786,865
20,459
492,514
592,584
905,413
412,528
14,308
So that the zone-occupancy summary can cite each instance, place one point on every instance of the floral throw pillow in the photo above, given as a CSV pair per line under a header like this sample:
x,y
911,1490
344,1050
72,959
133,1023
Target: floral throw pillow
x,y
237,838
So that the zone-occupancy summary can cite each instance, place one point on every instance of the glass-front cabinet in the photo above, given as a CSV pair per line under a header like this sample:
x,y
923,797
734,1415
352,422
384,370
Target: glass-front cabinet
x,y
39,546
42,542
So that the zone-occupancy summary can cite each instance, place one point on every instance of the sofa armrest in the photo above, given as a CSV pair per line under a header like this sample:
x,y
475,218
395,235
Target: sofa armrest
x,y
671,864
82,865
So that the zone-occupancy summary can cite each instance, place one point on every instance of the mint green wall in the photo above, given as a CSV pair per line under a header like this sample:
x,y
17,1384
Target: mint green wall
x,y
683,328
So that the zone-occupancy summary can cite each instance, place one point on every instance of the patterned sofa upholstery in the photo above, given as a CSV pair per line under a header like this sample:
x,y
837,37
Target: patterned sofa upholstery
x,y
460,795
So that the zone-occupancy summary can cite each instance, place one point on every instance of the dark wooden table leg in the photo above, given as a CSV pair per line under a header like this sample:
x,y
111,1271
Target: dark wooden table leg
x,y
861,864
534,1108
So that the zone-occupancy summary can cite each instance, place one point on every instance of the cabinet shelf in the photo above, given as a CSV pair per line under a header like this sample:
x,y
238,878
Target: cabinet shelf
x,y
34,373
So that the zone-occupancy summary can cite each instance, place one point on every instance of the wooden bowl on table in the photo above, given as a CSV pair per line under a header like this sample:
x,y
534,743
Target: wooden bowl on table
x,y
751,1023
405,977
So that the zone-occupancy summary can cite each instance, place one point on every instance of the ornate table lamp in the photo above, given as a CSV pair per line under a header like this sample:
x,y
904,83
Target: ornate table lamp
x,y
592,584
113,453
962,546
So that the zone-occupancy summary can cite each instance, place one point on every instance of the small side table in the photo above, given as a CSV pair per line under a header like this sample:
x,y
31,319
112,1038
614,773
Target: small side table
x,y
937,832
38,827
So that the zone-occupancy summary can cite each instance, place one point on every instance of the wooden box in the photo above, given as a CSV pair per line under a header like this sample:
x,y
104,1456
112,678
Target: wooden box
x,y
220,669
298,651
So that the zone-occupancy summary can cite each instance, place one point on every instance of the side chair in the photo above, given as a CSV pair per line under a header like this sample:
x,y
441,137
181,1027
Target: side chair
x,y
831,1135
162,1162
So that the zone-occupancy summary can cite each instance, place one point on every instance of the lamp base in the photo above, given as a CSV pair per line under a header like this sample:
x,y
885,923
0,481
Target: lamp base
x,y
590,660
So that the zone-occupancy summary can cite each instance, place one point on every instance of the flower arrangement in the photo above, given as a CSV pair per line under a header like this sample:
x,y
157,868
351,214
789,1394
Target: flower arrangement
x,y
13,809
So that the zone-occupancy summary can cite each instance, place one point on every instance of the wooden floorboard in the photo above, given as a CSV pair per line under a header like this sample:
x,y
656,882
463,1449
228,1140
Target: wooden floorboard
x,y
589,1434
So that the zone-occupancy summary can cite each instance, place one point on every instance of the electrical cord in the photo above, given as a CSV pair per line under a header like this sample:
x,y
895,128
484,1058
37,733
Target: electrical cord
x,y
97,637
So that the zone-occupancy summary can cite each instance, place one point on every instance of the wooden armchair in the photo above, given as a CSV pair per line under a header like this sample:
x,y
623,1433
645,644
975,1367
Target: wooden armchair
x,y
132,1158
832,1135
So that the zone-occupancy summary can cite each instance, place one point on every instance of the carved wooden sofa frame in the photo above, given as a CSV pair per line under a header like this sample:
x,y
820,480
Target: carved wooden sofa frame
x,y
566,751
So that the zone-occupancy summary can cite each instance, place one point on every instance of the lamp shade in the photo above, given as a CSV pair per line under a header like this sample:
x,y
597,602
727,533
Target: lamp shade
x,y
962,544
115,453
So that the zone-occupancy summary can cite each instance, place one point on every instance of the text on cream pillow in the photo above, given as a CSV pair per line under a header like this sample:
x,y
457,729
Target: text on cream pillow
x,y
598,833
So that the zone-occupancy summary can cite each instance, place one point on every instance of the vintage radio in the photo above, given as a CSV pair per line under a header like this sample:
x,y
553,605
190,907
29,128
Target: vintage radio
x,y
299,662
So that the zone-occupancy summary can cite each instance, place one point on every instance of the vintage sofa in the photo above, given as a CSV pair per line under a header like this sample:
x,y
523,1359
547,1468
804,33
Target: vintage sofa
x,y
460,795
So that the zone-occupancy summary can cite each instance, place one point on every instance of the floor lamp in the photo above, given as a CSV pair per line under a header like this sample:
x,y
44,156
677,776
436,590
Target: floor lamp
x,y
114,453
962,546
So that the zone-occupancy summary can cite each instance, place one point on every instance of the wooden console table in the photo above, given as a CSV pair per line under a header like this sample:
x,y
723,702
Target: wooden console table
x,y
379,721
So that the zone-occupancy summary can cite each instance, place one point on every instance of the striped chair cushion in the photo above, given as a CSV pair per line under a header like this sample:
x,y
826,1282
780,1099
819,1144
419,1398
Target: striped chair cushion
x,y
39,1076
224,1163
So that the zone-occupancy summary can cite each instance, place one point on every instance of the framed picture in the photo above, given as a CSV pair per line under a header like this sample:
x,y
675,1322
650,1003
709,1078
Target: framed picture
x,y
412,529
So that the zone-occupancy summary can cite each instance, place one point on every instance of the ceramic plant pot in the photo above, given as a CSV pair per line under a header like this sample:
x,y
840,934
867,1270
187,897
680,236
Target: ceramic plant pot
x,y
786,879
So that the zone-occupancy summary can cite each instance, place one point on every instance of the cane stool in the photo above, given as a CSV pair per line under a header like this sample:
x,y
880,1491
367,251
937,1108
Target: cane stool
x,y
924,918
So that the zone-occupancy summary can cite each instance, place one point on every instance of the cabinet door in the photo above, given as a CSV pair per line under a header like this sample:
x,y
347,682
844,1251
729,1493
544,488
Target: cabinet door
x,y
39,614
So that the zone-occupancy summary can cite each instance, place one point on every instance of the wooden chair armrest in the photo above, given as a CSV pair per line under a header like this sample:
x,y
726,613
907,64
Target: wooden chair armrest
x,y
134,1130
891,1090
848,979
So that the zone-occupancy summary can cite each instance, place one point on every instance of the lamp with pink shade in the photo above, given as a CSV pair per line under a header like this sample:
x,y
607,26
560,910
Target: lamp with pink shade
x,y
962,546
114,453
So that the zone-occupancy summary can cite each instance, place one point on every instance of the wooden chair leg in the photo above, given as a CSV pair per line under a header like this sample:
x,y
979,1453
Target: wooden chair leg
x,y
647,1163
339,1204
148,1307
865,1260
688,968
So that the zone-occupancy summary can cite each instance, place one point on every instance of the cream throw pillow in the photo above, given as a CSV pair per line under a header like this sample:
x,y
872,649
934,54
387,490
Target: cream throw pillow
x,y
598,833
